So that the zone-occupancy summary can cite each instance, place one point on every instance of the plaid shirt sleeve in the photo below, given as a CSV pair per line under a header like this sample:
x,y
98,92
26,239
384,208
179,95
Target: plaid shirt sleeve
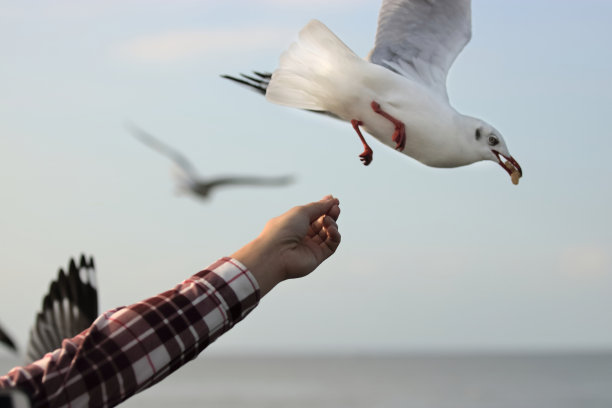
x,y
131,348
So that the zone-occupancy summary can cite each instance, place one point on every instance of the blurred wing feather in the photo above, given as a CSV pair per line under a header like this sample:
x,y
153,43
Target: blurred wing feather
x,y
174,155
248,180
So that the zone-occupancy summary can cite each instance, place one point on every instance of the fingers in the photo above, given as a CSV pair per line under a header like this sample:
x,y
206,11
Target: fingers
x,y
318,208
316,231
325,229
332,235
324,232
334,212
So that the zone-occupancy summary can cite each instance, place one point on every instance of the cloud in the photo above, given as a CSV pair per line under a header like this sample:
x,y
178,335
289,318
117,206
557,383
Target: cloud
x,y
76,9
180,45
586,261
310,3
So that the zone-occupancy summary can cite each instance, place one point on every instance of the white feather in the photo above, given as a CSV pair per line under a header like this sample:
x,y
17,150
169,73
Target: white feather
x,y
309,68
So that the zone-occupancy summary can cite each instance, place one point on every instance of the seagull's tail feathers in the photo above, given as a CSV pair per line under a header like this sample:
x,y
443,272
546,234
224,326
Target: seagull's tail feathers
x,y
310,70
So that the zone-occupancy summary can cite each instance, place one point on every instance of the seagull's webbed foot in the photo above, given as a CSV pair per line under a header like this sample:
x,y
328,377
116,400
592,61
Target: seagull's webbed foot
x,y
399,135
366,156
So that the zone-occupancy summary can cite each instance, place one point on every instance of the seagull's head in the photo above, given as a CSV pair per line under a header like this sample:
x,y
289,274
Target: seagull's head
x,y
491,146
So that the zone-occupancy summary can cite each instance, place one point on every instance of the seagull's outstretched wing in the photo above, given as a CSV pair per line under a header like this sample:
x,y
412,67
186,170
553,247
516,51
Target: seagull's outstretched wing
x,y
420,39
70,306
250,181
7,341
178,159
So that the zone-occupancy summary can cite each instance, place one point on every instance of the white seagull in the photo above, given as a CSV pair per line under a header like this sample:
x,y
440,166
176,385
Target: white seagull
x,y
69,307
187,177
398,93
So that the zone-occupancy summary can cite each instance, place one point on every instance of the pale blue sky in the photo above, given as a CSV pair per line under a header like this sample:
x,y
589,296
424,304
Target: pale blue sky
x,y
431,259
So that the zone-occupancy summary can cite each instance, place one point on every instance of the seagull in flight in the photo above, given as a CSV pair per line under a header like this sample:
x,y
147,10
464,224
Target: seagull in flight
x,y
69,307
398,93
187,177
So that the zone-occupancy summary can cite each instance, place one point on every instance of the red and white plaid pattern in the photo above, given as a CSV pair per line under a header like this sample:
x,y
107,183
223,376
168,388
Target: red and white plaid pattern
x,y
131,348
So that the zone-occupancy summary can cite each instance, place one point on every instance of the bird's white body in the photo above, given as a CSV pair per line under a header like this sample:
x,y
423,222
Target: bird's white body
x,y
431,123
321,73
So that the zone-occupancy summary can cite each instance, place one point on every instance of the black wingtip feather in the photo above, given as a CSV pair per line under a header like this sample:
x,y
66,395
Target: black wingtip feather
x,y
261,85
82,296
258,84
86,263
7,340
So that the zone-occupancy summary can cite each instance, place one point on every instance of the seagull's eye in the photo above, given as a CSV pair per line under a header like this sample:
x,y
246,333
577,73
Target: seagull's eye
x,y
478,134
493,141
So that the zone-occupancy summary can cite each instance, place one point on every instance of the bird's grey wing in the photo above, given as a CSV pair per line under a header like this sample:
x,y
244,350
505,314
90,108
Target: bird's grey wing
x,y
420,39
7,340
69,307
259,82
154,143
250,180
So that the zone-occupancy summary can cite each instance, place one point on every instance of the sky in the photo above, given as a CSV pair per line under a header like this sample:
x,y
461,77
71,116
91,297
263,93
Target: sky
x,y
431,259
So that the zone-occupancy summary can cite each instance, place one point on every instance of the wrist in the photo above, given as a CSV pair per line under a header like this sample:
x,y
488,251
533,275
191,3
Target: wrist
x,y
262,262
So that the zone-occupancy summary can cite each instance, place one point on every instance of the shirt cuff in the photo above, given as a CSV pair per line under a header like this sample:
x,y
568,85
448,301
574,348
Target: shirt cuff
x,y
236,285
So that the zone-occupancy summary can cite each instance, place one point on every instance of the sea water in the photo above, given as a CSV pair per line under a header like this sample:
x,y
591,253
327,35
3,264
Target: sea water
x,y
434,381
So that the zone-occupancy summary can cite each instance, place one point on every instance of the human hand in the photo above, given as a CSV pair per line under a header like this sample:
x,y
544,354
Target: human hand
x,y
293,244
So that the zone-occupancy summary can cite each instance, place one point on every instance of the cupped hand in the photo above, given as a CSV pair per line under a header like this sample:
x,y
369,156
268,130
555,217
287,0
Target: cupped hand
x,y
293,244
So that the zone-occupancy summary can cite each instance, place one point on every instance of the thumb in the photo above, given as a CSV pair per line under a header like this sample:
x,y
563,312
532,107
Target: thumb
x,y
318,208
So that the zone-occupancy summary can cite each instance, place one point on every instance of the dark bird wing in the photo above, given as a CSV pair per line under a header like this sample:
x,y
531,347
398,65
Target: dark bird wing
x,y
70,306
420,39
174,155
249,180
7,341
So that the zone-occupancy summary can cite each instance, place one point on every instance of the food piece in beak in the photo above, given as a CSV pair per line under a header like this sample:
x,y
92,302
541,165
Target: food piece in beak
x,y
511,166
515,174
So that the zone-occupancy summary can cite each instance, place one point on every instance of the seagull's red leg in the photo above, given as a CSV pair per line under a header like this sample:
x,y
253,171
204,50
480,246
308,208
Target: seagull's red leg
x,y
366,156
399,136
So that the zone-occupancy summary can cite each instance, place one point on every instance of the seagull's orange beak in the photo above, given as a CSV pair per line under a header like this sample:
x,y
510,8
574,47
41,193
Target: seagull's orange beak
x,y
511,160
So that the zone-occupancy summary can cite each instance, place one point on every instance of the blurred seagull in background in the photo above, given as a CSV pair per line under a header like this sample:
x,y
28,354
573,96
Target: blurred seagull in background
x,y
69,307
398,93
187,178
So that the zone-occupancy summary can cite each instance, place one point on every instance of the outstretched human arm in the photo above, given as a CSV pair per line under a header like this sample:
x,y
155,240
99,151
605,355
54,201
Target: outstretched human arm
x,y
293,244
131,348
